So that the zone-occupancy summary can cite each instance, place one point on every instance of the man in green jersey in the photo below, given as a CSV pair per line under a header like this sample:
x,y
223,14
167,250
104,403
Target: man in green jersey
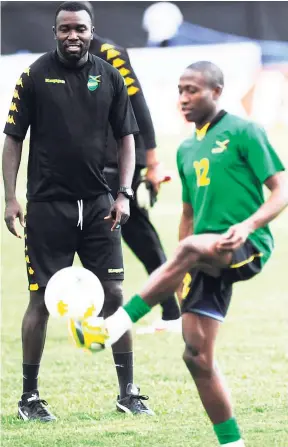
x,y
224,237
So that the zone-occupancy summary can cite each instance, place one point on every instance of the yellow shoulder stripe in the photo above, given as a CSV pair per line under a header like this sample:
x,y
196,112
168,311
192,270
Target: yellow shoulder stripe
x,y
132,90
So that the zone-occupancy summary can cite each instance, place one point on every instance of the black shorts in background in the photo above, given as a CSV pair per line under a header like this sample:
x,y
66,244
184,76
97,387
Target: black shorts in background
x,y
209,296
53,235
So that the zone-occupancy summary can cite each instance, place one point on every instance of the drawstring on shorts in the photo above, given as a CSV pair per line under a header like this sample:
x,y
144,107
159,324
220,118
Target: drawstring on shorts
x,y
80,211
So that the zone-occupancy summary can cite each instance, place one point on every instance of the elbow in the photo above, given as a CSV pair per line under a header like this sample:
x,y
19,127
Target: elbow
x,y
285,196
284,191
281,189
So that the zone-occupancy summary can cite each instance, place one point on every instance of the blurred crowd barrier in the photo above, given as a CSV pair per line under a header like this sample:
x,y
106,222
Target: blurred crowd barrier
x,y
250,89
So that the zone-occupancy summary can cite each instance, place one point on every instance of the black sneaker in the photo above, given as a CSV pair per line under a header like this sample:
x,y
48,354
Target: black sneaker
x,y
30,407
132,403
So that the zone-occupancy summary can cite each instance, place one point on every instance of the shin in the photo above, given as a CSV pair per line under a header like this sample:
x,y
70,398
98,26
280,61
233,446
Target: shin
x,y
199,335
34,328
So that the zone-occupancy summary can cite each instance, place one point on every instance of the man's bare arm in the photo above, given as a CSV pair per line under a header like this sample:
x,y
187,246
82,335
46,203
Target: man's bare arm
x,y
126,160
11,159
186,222
120,210
275,204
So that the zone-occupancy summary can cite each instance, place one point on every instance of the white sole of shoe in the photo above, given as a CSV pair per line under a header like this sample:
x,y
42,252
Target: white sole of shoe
x,y
123,409
22,415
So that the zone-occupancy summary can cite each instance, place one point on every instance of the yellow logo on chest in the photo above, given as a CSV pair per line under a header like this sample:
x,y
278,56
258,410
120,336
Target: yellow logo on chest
x,y
221,147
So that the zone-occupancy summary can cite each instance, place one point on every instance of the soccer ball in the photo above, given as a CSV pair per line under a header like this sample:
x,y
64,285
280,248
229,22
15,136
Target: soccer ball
x,y
88,334
74,292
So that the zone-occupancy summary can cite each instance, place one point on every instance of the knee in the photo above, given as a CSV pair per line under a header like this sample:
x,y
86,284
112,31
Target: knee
x,y
37,303
186,249
198,361
113,297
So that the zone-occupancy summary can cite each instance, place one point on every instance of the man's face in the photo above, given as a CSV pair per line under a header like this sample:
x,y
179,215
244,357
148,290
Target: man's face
x,y
197,98
73,32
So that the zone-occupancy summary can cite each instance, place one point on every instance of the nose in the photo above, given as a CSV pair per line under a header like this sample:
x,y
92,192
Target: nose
x,y
73,35
183,98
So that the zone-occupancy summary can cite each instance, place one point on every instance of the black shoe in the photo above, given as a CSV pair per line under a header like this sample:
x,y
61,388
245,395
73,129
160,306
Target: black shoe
x,y
132,403
30,407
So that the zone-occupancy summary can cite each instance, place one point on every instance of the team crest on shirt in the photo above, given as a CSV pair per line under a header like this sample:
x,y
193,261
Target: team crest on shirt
x,y
93,82
221,147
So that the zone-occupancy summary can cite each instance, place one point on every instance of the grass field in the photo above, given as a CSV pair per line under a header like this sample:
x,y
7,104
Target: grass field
x,y
81,388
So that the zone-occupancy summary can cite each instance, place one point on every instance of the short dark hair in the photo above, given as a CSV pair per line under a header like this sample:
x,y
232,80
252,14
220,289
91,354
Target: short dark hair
x,y
76,6
212,72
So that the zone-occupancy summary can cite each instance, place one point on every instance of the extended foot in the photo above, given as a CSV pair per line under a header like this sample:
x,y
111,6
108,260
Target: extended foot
x,y
31,407
133,402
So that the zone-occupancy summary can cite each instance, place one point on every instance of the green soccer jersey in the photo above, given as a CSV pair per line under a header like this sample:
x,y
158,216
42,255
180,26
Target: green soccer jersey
x,y
222,176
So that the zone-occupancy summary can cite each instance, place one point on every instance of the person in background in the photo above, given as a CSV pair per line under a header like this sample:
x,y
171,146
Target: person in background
x,y
139,233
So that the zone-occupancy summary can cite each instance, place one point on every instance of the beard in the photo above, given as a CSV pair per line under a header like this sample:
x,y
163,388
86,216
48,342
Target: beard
x,y
74,55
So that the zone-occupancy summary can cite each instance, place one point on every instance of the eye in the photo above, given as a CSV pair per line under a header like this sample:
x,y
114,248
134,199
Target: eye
x,y
81,29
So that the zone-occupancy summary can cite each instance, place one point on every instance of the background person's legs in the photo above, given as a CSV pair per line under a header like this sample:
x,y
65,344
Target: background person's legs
x,y
143,240
141,237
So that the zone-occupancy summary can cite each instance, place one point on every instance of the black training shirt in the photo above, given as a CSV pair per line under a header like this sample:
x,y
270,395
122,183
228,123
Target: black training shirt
x,y
69,111
118,57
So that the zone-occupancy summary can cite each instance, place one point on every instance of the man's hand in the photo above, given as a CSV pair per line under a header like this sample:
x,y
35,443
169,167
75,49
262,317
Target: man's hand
x,y
119,212
235,237
155,174
13,211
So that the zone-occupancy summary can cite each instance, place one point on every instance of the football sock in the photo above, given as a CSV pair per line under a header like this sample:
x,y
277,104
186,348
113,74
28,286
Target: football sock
x,y
116,325
170,309
121,321
228,433
124,367
136,308
30,377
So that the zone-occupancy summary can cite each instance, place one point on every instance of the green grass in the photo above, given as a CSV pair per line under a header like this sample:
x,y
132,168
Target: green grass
x,y
81,388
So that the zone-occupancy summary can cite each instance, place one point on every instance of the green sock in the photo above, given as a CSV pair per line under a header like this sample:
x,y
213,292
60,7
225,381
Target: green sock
x,y
227,431
136,308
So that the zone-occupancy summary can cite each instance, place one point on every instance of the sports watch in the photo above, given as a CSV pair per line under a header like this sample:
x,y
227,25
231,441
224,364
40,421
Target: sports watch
x,y
126,191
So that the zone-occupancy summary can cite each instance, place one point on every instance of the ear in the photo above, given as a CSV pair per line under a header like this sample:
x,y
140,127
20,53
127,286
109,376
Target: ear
x,y
54,32
217,92
92,32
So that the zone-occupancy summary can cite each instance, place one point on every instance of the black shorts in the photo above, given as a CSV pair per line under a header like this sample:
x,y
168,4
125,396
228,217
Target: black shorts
x,y
55,231
209,296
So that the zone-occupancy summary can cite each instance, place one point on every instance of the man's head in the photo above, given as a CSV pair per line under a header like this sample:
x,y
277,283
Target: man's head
x,y
200,87
73,29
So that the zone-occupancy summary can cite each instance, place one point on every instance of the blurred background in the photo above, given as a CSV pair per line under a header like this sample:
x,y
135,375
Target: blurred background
x,y
247,39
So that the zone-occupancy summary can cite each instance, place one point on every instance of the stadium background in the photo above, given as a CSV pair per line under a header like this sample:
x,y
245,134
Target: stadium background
x,y
249,41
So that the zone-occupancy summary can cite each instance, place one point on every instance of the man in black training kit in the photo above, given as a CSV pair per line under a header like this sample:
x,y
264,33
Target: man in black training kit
x,y
69,97
146,156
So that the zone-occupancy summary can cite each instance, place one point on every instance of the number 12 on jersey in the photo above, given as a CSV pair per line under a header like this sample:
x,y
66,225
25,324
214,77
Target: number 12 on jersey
x,y
202,170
